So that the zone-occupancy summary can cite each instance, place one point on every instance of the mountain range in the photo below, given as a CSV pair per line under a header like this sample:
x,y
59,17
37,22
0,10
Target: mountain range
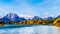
x,y
12,17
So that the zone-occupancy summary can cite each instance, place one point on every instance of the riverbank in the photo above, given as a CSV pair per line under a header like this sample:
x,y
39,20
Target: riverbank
x,y
18,25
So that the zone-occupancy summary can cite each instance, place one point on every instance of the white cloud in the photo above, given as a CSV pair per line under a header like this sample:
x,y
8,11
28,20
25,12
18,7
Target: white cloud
x,y
58,14
1,15
52,15
26,16
46,15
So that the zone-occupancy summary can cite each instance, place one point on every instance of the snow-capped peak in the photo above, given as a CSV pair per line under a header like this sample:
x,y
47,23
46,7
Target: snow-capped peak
x,y
11,15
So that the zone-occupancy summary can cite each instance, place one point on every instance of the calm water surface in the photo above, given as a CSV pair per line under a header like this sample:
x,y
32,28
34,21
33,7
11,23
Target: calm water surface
x,y
37,29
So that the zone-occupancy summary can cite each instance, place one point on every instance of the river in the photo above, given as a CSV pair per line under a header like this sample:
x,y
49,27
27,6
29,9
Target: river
x,y
36,29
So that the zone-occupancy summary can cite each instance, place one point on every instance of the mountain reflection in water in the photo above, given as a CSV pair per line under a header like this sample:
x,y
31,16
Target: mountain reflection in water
x,y
36,29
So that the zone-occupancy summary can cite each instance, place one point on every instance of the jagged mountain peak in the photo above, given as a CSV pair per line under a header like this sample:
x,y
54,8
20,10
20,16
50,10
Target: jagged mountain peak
x,y
12,17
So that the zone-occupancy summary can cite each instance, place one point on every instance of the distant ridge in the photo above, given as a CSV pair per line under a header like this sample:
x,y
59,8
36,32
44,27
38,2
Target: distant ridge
x,y
37,18
49,18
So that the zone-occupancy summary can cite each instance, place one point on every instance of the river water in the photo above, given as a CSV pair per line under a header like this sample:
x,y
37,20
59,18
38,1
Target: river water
x,y
36,29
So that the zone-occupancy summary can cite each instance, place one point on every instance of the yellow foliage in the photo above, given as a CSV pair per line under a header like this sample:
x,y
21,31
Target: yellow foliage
x,y
57,22
31,22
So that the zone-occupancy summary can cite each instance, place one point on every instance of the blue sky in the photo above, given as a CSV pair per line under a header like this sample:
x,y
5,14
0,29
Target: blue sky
x,y
42,8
